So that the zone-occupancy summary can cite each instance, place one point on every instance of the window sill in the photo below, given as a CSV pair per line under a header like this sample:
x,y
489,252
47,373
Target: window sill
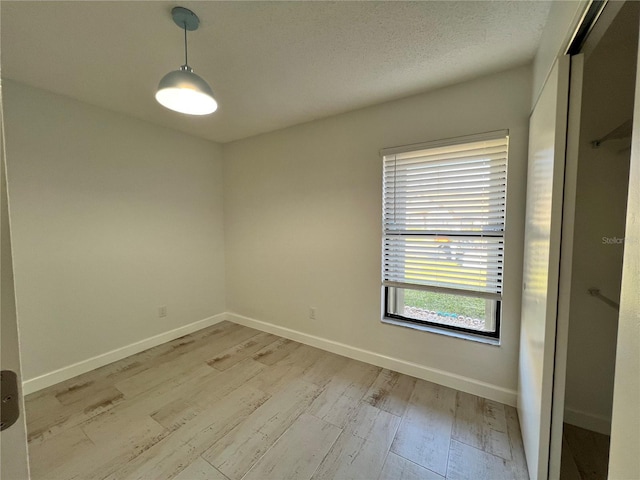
x,y
442,331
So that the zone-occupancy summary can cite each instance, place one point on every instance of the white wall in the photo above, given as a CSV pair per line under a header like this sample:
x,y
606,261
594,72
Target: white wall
x,y
601,198
303,226
111,217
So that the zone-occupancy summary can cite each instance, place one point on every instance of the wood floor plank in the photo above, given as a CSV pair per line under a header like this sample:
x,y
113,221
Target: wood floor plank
x,y
163,461
122,438
110,421
129,431
92,393
124,432
303,357
85,385
298,452
391,391
424,433
61,417
210,349
324,369
39,406
221,418
274,378
275,352
371,422
351,458
398,468
112,452
237,353
481,423
197,354
469,463
198,398
50,458
187,351
355,457
235,453
200,469
78,388
518,460
168,457
341,396
362,447
157,375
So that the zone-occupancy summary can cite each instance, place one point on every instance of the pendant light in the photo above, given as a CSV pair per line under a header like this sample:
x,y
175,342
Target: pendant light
x,y
182,90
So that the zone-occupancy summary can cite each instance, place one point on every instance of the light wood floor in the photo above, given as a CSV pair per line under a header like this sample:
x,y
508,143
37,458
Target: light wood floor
x,y
230,402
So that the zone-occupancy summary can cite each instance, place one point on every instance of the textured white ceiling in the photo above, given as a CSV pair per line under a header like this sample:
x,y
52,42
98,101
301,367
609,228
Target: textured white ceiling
x,y
270,64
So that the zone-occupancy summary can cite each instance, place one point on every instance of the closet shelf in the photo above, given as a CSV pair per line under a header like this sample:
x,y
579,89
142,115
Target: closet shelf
x,y
623,131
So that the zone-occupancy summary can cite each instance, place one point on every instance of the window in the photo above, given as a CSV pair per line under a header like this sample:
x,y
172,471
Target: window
x,y
443,245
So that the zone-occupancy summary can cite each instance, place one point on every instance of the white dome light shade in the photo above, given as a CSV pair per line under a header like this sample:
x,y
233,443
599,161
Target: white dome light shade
x,y
185,92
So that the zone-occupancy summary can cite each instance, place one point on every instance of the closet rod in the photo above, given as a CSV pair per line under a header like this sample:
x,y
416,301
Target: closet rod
x,y
595,292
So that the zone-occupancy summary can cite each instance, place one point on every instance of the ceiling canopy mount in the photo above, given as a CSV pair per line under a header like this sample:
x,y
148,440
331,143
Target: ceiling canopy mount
x,y
185,18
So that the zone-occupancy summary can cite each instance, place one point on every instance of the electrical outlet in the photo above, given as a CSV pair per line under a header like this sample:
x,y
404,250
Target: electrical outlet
x,y
312,313
162,311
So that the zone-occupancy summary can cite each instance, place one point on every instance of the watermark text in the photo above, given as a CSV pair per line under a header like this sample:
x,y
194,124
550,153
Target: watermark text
x,y
612,240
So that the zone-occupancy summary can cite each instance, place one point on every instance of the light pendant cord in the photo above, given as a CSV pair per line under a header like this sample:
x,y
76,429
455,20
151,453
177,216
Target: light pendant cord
x,y
186,58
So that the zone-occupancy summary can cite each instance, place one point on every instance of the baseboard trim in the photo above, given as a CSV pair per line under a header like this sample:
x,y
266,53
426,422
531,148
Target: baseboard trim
x,y
65,373
459,382
589,421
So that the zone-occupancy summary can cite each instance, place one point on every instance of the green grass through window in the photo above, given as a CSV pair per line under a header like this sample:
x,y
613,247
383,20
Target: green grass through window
x,y
445,303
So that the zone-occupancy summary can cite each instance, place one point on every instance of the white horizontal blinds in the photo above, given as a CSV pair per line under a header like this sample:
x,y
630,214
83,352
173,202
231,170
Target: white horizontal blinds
x,y
444,210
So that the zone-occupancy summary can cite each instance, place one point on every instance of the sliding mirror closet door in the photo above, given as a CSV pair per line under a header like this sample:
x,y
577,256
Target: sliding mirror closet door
x,y
543,221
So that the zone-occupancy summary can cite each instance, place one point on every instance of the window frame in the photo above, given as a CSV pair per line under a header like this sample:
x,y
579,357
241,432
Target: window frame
x,y
452,330
494,335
